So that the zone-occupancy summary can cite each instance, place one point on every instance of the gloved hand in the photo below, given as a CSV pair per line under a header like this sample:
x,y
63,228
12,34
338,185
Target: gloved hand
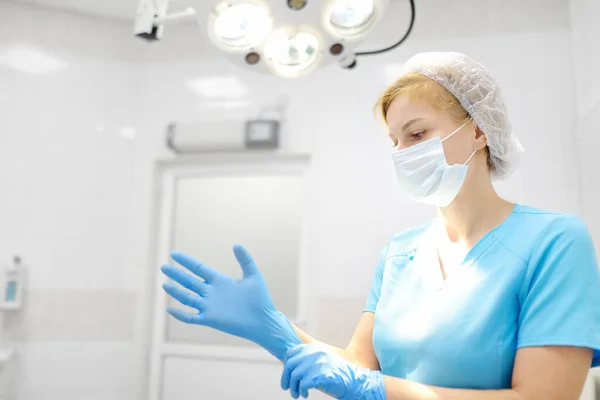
x,y
313,366
240,307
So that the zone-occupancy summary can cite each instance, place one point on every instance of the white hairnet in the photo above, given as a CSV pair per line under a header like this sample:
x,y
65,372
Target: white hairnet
x,y
479,94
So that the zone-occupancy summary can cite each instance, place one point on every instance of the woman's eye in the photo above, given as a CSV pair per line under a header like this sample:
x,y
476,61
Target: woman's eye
x,y
418,135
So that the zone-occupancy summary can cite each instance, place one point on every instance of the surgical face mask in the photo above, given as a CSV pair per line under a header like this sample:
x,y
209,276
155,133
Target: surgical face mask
x,y
424,173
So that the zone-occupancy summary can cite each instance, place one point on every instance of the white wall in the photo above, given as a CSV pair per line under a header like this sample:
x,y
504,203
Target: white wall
x,y
76,202
586,61
66,204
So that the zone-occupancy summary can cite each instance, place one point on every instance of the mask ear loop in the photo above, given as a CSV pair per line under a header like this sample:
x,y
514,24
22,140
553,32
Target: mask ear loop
x,y
458,129
471,156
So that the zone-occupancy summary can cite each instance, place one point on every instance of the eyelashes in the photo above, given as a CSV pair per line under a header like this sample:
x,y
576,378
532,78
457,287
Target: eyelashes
x,y
412,137
418,135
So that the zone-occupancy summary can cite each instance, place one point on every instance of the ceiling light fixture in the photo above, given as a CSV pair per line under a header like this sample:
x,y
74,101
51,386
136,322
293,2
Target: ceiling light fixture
x,y
288,38
28,59
239,26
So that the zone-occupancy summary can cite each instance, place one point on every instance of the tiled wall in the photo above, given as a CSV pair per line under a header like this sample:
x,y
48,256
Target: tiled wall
x,y
67,92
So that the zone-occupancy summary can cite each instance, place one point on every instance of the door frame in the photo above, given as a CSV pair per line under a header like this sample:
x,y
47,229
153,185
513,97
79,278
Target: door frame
x,y
166,174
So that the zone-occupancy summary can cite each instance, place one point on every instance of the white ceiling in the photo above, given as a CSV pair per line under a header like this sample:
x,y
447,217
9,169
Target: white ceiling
x,y
490,16
121,10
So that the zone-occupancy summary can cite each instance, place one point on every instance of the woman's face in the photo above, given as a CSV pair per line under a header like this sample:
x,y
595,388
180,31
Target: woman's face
x,y
414,121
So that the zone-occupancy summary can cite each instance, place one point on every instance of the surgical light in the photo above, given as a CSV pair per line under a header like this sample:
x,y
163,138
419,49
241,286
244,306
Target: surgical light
x,y
288,38
350,19
291,52
296,4
239,26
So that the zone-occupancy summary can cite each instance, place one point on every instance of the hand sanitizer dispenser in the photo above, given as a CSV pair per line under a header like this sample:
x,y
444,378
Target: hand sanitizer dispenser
x,y
12,293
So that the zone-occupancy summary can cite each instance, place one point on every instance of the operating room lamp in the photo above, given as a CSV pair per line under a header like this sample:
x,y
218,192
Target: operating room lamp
x,y
288,38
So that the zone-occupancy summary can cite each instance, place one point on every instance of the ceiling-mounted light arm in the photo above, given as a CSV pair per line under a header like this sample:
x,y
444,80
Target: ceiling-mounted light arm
x,y
152,16
188,14
402,40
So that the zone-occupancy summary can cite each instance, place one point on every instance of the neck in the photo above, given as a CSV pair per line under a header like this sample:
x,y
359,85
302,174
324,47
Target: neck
x,y
474,212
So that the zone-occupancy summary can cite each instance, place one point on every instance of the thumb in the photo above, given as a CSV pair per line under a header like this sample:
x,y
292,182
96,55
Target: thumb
x,y
245,260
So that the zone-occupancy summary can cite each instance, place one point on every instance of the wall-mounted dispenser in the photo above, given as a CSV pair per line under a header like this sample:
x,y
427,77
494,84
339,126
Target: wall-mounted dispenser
x,y
12,286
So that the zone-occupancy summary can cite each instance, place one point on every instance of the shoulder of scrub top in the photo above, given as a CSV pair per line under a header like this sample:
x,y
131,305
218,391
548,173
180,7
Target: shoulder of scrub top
x,y
532,230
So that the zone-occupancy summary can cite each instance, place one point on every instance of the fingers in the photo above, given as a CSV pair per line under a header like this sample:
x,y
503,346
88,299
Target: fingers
x,y
310,367
194,266
184,279
290,363
297,375
245,260
186,317
305,384
185,298
315,378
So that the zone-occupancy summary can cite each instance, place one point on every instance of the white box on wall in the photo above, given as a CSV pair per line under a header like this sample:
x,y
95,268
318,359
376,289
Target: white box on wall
x,y
223,136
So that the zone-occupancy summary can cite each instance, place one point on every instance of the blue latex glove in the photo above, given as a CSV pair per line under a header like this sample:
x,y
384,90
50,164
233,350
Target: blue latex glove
x,y
314,366
240,307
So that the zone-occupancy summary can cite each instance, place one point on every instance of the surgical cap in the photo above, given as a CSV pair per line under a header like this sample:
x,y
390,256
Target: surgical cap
x,y
479,94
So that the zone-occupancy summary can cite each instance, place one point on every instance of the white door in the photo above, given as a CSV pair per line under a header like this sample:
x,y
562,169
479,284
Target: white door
x,y
205,207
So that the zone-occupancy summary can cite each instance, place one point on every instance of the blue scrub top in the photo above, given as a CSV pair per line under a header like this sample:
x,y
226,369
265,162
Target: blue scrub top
x,y
531,281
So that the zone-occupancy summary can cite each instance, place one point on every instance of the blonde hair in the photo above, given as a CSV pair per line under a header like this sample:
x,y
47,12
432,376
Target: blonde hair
x,y
419,87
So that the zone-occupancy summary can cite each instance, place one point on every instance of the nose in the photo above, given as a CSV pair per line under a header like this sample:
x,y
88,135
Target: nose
x,y
402,146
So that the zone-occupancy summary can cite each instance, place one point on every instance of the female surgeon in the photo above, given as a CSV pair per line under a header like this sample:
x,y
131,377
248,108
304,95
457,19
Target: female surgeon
x,y
490,301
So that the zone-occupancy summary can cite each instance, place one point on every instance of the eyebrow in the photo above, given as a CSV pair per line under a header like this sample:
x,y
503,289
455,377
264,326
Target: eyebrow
x,y
412,121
